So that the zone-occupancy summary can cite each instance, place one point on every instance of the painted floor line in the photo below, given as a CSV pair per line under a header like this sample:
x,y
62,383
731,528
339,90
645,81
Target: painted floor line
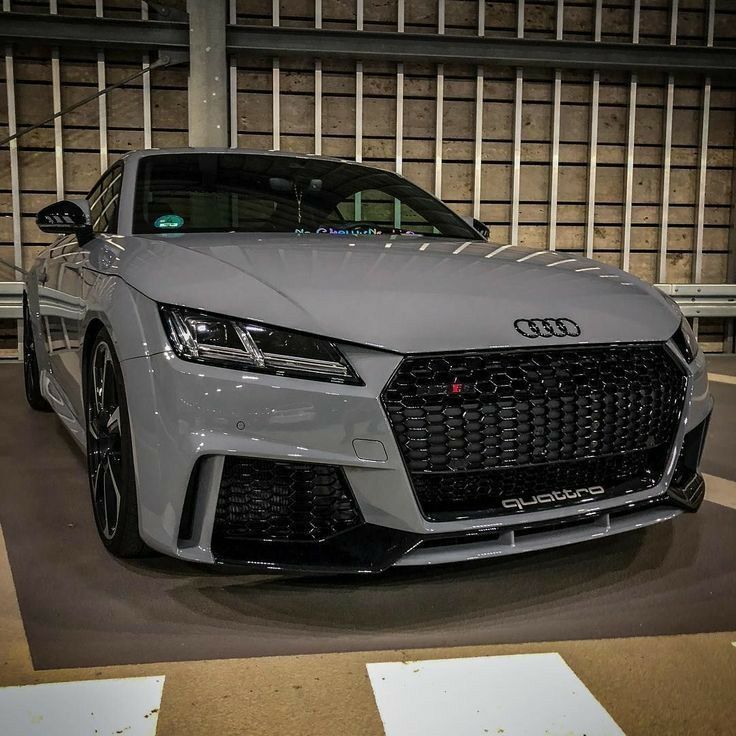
x,y
126,706
14,651
722,378
720,490
513,694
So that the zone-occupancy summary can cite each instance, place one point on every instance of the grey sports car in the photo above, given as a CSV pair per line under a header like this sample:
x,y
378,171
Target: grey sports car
x,y
296,362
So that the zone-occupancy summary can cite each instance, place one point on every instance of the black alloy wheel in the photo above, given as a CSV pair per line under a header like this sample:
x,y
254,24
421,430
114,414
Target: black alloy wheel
x,y
109,452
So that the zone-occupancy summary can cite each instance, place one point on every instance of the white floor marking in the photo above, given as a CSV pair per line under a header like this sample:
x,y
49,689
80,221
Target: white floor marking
x,y
518,694
500,249
124,707
531,255
720,490
721,378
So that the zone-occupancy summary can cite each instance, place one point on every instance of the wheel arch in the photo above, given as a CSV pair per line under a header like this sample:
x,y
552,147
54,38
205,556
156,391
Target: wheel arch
x,y
32,319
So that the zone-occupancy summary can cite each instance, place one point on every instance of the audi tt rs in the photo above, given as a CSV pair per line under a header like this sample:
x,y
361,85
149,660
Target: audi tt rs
x,y
296,362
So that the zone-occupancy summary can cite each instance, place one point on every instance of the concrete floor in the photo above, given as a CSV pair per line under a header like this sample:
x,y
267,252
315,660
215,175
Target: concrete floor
x,y
67,604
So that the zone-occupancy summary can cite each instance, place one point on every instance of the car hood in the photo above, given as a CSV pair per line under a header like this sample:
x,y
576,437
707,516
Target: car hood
x,y
400,294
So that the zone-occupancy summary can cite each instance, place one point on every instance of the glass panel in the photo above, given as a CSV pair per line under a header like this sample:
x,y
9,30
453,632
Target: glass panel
x,y
103,201
95,200
232,192
111,198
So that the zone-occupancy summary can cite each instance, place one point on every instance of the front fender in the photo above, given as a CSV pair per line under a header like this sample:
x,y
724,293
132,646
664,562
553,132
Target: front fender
x,y
131,318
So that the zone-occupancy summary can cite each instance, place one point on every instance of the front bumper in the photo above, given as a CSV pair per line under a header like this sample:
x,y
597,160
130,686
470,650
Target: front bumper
x,y
186,415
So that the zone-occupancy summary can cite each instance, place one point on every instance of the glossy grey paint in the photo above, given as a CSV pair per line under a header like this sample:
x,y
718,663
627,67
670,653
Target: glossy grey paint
x,y
398,297
301,420
402,298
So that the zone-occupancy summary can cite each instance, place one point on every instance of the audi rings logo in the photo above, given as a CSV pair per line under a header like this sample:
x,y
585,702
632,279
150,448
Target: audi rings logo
x,y
547,327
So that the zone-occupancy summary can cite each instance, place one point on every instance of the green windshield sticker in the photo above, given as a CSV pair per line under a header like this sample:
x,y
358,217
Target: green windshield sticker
x,y
168,222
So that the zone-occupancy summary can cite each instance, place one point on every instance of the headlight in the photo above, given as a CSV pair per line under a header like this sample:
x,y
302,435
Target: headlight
x,y
686,341
232,343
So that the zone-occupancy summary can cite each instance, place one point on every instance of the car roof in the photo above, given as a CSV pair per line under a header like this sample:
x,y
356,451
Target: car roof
x,y
140,154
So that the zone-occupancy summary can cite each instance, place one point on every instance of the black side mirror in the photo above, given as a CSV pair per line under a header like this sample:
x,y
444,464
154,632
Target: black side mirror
x,y
67,217
480,227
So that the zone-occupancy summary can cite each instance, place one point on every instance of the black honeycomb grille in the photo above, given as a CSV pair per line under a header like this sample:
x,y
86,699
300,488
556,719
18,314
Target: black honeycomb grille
x,y
476,427
537,487
278,500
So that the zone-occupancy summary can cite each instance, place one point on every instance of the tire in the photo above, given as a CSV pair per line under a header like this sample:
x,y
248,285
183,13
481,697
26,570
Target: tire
x,y
31,374
110,451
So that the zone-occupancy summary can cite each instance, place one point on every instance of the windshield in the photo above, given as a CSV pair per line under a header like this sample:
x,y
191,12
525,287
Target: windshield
x,y
221,192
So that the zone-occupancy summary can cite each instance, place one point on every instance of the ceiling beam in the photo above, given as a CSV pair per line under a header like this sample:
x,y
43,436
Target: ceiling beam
x,y
72,31
76,32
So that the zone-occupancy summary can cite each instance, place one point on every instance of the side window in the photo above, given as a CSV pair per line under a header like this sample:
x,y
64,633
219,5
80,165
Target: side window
x,y
104,200
95,199
110,202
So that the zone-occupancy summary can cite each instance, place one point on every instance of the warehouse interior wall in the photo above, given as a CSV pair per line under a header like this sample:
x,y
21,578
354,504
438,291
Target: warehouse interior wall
x,y
635,170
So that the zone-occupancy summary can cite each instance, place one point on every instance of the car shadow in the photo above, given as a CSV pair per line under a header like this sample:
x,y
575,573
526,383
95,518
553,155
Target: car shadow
x,y
577,580
567,578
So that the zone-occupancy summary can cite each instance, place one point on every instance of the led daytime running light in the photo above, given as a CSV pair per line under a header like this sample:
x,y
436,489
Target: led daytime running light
x,y
206,338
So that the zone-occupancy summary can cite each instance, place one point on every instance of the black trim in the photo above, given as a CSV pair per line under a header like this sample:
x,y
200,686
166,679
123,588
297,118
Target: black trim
x,y
682,344
366,549
691,495
687,488
186,522
373,549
